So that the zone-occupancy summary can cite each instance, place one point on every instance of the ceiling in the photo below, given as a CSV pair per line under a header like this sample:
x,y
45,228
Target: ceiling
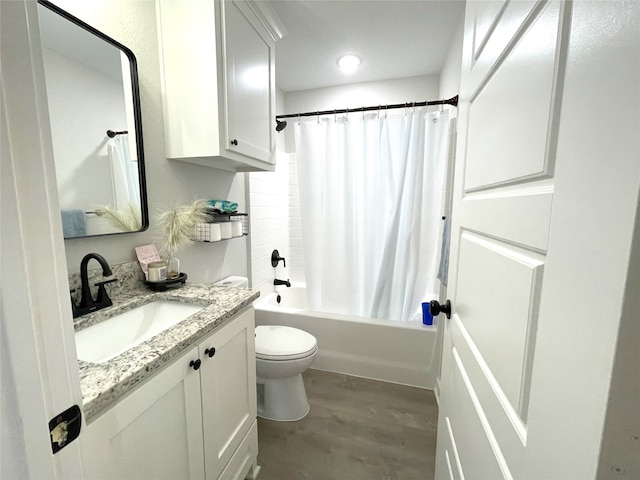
x,y
394,39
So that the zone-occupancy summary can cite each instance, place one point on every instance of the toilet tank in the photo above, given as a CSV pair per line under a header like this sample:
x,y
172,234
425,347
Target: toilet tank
x,y
233,281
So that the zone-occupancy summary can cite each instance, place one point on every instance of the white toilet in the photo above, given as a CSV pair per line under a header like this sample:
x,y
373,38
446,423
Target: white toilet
x,y
282,354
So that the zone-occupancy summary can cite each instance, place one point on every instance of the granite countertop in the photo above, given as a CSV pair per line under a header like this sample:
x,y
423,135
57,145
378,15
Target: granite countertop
x,y
102,383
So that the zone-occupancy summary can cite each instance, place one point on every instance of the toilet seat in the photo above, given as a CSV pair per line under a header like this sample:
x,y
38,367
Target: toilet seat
x,y
279,343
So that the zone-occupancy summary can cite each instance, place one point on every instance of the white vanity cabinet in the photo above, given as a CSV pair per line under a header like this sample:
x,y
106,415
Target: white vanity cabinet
x,y
183,422
218,82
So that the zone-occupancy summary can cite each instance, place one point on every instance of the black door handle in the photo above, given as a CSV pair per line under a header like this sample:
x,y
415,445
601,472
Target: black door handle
x,y
210,351
436,309
195,364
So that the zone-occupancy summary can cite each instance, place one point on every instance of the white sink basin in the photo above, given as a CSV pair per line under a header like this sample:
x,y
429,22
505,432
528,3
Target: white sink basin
x,y
108,339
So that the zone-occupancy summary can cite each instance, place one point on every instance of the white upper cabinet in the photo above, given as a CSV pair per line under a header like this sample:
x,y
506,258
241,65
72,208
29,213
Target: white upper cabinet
x,y
218,82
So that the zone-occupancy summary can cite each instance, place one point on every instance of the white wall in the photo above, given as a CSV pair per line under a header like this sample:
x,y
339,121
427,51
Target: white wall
x,y
450,75
269,224
276,222
168,181
620,446
399,90
268,215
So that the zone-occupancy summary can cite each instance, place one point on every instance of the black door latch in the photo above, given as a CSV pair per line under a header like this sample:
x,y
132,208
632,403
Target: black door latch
x,y
64,428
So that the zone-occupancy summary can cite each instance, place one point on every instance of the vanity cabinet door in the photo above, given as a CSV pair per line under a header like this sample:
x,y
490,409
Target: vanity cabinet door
x,y
228,383
154,432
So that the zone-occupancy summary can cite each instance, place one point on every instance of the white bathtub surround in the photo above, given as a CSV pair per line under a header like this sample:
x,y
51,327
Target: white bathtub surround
x,y
268,214
398,352
371,208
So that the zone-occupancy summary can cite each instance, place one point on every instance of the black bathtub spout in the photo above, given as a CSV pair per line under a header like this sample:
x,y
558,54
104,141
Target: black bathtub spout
x,y
282,282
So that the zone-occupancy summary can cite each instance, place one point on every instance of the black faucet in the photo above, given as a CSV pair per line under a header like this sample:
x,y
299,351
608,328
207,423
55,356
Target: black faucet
x,y
282,282
275,258
87,303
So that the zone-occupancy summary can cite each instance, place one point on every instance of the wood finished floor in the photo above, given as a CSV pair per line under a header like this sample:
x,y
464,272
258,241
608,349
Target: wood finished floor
x,y
357,429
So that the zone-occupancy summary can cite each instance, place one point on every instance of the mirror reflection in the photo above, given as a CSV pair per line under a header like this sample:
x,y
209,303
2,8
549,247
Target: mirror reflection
x,y
94,111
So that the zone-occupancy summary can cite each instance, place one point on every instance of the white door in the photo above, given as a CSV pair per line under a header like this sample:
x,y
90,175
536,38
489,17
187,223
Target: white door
x,y
546,189
39,365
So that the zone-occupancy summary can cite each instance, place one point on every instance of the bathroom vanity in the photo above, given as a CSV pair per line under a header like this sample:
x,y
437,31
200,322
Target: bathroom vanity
x,y
181,404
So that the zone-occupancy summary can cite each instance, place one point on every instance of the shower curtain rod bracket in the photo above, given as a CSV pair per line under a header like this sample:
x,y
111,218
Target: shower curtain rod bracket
x,y
112,134
453,101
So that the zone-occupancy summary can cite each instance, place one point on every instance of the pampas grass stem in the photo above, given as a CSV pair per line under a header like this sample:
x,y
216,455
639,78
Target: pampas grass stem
x,y
178,224
129,219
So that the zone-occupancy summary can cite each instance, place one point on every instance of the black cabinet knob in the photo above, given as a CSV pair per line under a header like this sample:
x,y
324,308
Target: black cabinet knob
x,y
195,364
436,309
210,351
234,142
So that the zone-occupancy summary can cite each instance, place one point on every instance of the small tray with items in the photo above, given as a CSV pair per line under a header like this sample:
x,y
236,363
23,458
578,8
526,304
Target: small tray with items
x,y
169,282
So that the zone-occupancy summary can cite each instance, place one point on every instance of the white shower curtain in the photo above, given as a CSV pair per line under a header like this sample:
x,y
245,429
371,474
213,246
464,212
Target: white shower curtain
x,y
124,173
371,197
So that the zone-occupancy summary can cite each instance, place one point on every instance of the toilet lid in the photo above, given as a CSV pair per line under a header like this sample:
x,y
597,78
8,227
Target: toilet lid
x,y
275,342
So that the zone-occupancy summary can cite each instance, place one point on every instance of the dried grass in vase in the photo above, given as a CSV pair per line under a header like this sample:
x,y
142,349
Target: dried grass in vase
x,y
177,226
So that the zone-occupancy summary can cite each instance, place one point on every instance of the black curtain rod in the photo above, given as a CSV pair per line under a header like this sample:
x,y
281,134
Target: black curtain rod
x,y
453,101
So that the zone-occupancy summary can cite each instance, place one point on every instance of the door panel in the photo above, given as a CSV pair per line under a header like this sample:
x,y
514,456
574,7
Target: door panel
x,y
475,441
497,298
451,457
513,67
498,213
507,426
485,20
491,27
510,112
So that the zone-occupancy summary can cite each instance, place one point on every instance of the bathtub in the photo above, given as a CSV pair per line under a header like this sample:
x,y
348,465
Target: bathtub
x,y
398,352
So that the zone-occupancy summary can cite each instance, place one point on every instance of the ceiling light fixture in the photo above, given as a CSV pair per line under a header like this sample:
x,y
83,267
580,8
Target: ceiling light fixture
x,y
349,63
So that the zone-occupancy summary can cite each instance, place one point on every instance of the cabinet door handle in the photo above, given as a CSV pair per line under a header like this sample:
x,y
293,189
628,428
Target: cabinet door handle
x,y
195,364
234,142
210,351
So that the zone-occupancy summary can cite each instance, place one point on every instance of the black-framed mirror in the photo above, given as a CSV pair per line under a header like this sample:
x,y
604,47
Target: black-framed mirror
x,y
96,127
